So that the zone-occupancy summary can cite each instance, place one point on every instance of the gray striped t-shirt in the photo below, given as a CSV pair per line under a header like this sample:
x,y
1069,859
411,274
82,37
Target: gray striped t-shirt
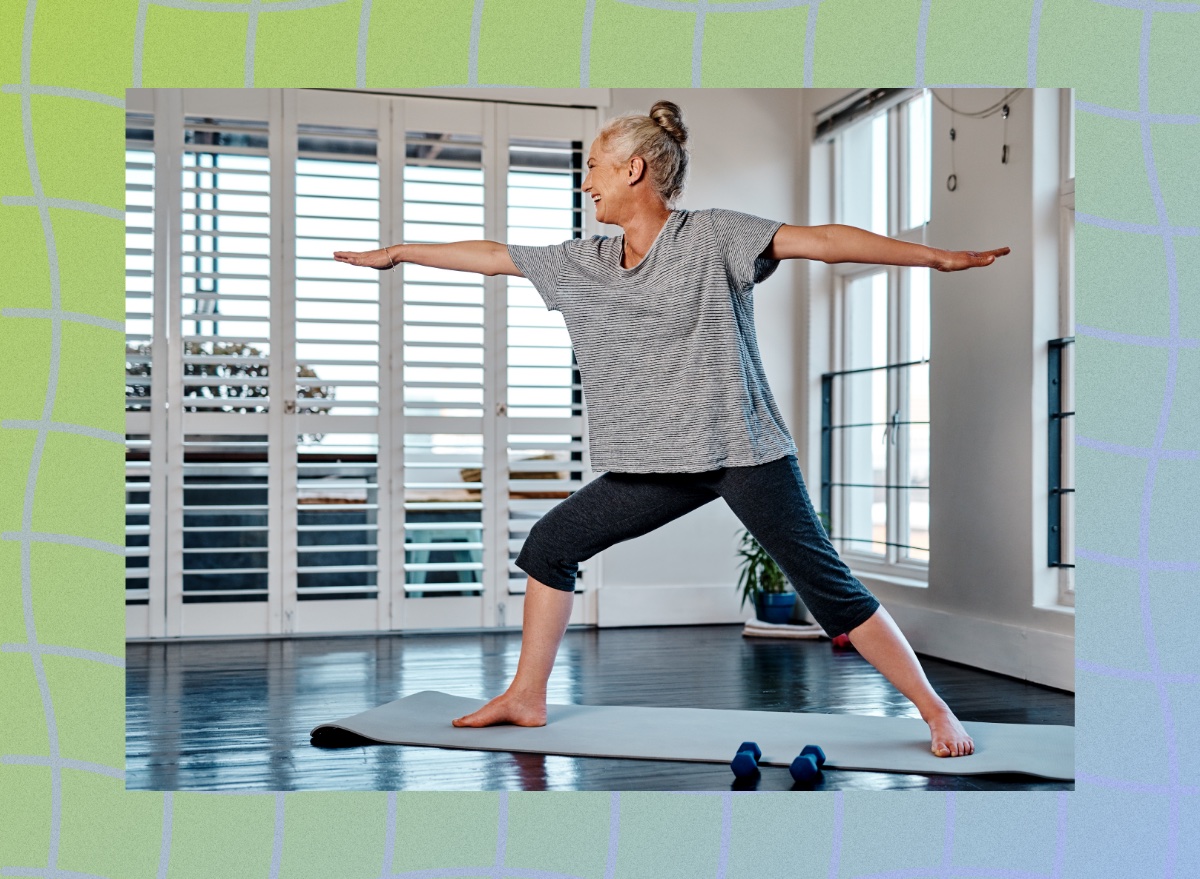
x,y
666,349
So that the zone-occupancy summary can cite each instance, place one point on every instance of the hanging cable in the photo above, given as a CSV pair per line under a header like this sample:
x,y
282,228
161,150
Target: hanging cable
x,y
1004,152
952,180
979,114
1001,106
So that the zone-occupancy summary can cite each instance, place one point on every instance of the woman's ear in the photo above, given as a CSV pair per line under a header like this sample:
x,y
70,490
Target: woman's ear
x,y
637,165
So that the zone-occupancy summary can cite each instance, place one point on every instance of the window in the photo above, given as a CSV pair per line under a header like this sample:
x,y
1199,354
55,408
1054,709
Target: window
x,y
879,404
1066,470
334,448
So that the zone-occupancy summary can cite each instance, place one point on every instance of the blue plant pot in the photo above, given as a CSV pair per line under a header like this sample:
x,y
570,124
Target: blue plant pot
x,y
774,607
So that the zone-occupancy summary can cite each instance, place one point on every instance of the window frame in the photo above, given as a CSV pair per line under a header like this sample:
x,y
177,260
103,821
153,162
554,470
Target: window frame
x,y
1066,279
903,570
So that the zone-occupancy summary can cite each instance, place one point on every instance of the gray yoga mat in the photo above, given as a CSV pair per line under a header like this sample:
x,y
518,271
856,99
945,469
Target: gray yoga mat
x,y
705,735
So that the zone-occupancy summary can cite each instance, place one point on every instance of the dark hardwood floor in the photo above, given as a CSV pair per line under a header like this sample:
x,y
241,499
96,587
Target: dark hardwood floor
x,y
236,715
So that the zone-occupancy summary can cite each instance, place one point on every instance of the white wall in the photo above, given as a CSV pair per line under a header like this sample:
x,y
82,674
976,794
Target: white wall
x,y
990,598
744,144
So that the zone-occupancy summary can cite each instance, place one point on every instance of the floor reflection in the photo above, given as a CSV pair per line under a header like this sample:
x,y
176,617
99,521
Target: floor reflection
x,y
237,715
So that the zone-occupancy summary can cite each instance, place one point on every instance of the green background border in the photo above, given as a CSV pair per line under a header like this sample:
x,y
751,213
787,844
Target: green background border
x,y
64,68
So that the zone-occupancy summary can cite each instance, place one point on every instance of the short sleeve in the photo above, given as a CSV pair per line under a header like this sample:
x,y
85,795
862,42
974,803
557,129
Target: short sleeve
x,y
742,239
542,266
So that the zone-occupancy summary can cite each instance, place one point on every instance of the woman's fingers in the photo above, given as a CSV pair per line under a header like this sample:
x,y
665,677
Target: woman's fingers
x,y
969,259
374,259
351,257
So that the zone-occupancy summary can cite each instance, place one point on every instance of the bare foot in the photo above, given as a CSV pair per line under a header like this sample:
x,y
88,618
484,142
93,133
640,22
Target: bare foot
x,y
509,707
949,739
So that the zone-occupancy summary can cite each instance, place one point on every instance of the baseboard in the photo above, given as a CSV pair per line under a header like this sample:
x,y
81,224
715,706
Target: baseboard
x,y
1033,655
669,605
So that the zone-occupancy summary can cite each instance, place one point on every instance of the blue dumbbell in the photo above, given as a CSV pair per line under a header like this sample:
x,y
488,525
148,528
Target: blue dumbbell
x,y
808,765
745,763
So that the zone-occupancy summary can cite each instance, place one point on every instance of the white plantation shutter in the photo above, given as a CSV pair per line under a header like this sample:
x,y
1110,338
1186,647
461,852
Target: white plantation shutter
x,y
139,259
224,492
139,337
545,397
337,517
443,369
225,253
225,518
337,312
337,325
318,447
137,519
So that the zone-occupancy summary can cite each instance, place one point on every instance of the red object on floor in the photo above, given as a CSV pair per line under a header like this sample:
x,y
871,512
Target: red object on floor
x,y
841,641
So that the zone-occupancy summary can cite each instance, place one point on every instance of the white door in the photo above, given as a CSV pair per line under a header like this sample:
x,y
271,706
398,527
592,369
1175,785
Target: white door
x,y
315,447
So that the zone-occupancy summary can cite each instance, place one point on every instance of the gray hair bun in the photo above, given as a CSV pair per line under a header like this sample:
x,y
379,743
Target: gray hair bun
x,y
670,118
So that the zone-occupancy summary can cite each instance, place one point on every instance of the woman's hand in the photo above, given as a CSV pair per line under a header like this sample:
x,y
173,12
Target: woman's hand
x,y
957,260
372,259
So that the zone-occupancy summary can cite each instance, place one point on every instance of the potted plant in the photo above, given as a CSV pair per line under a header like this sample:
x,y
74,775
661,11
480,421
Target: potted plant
x,y
763,581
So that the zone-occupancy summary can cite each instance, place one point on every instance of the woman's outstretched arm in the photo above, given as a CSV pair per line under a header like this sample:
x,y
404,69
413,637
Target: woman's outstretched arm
x,y
840,243
484,257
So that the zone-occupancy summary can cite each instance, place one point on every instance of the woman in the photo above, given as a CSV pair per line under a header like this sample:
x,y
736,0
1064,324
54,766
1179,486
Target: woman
x,y
661,321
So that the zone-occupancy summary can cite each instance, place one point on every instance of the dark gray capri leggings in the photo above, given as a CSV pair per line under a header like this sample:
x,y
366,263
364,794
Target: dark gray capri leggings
x,y
770,499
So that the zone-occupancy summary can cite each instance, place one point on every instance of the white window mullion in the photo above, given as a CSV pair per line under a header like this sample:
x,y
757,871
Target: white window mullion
x,y
392,366
160,379
495,382
391,493
840,443
891,382
895,446
279,448
284,483
171,371
591,226
901,498
903,189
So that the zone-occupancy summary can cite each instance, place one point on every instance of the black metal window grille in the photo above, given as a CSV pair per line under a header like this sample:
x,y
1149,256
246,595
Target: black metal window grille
x,y
1055,453
827,429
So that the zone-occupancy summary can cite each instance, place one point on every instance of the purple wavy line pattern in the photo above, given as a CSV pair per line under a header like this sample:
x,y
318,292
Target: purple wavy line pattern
x,y
1151,642
1174,792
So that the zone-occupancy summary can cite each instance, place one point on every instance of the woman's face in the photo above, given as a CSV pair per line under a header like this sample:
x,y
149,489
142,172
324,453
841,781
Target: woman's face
x,y
604,182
